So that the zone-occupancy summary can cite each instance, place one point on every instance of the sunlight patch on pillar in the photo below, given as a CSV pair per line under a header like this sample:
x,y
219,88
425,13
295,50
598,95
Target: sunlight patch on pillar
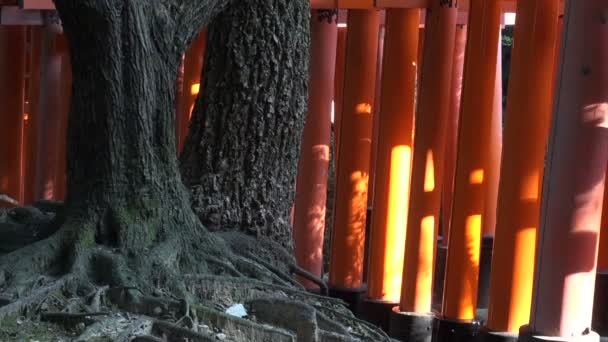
x,y
476,177
429,174
399,184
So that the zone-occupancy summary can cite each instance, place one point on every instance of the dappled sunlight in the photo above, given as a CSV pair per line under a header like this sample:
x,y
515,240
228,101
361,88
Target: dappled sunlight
x,y
399,184
320,152
530,186
363,108
195,89
522,273
472,235
424,276
476,177
429,173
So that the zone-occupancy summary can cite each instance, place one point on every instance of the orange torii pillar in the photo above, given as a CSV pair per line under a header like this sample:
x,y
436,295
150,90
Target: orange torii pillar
x,y
529,102
371,191
51,116
311,191
427,174
30,131
12,92
574,179
470,181
600,301
191,86
449,168
452,132
348,234
492,178
394,157
339,89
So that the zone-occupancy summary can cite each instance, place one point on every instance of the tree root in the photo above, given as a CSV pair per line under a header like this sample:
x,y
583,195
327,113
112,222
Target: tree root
x,y
180,282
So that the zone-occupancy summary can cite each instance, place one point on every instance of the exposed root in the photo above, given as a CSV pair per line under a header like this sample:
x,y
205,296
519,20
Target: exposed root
x,y
173,332
180,283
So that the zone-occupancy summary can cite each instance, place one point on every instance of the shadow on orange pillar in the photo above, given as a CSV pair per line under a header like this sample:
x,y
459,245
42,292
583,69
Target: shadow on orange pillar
x,y
311,191
494,152
452,131
394,157
191,86
12,93
529,102
339,89
428,160
376,119
30,131
348,235
574,180
474,131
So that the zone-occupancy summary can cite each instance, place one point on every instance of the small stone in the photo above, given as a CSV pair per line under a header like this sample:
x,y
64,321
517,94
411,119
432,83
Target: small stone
x,y
204,329
157,311
80,327
220,336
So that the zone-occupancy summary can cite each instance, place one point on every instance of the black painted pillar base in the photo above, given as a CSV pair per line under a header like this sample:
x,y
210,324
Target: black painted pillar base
x,y
377,312
600,305
485,268
411,327
494,336
448,330
352,297
525,335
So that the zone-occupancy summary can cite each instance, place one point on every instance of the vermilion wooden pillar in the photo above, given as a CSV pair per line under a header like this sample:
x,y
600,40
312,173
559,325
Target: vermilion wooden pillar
x,y
427,167
452,131
492,178
376,121
311,190
30,149
393,166
494,151
193,65
574,180
529,101
50,114
339,89
12,91
470,182
348,235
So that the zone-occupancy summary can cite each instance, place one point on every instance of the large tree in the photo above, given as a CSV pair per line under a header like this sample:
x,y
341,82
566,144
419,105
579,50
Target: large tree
x,y
127,233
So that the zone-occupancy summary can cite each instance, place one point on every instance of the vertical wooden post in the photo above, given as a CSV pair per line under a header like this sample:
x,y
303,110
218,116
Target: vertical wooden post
x,y
311,194
339,90
12,92
574,180
393,167
192,85
31,122
452,131
529,101
348,235
470,181
427,168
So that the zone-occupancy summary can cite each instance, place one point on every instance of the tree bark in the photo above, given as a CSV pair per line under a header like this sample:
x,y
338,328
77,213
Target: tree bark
x,y
240,158
122,168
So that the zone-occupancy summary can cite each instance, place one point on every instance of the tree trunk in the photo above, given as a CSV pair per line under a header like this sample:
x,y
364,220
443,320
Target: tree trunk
x,y
240,157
